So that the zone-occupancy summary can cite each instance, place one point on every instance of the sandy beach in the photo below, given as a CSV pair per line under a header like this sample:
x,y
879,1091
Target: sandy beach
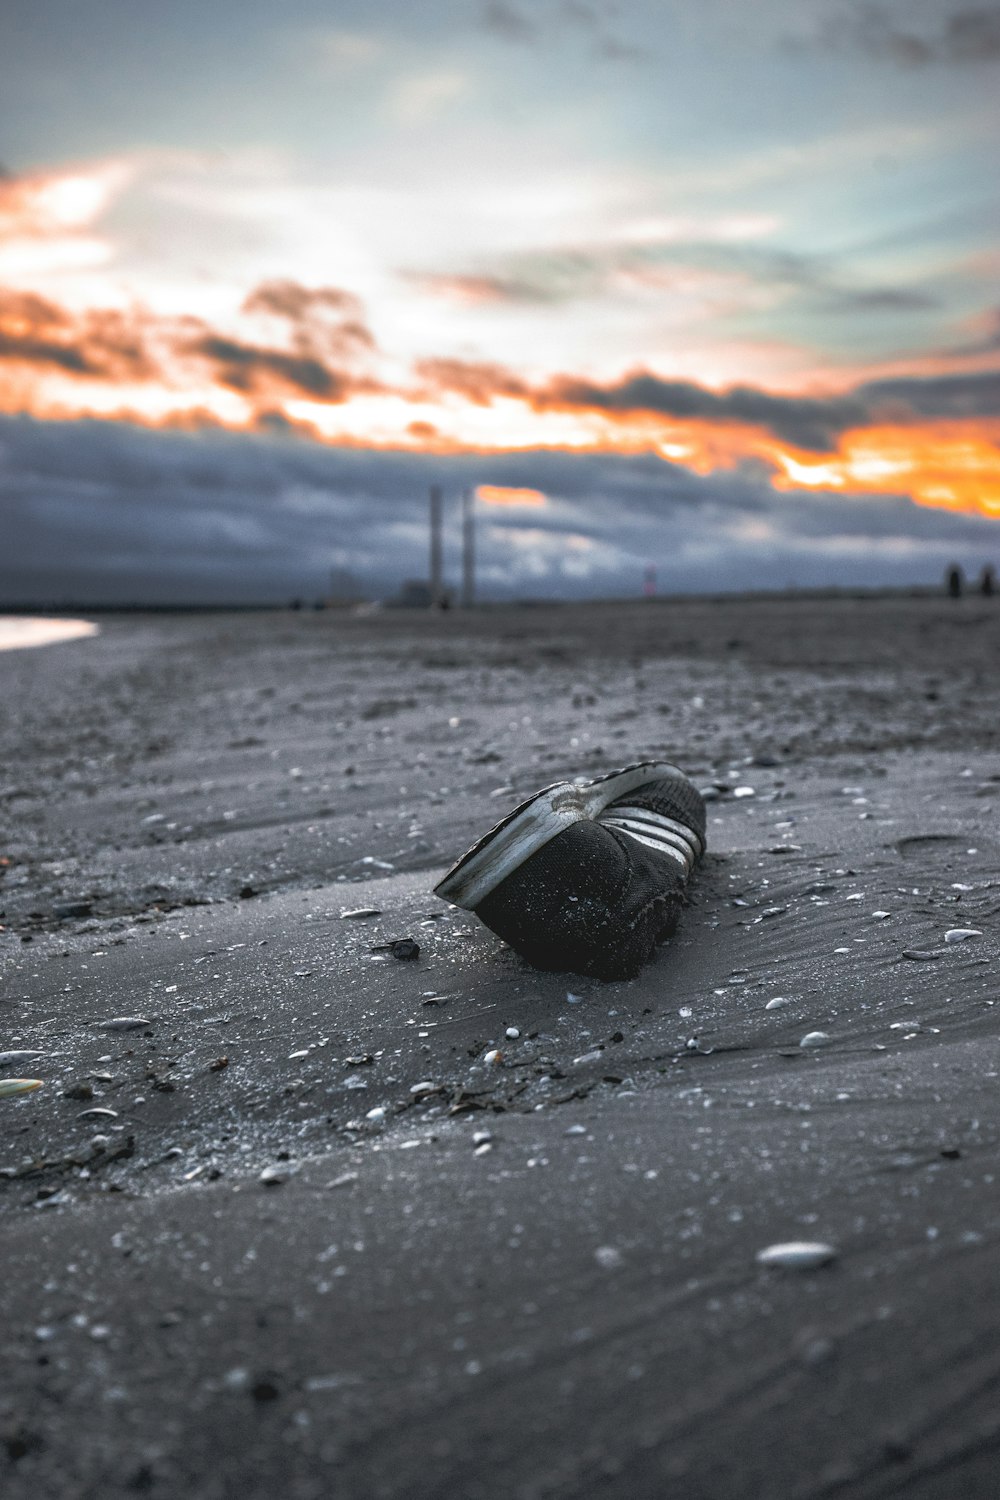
x,y
287,1231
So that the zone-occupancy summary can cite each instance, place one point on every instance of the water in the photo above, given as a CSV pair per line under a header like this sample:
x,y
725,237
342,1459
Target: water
x,y
19,631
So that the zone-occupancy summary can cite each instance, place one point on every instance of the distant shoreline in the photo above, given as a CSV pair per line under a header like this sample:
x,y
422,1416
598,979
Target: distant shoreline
x,y
76,608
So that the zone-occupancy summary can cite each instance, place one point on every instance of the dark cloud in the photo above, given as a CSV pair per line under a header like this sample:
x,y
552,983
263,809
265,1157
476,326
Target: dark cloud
x,y
101,344
250,369
105,512
812,422
966,35
955,396
480,382
806,422
514,23
508,22
327,342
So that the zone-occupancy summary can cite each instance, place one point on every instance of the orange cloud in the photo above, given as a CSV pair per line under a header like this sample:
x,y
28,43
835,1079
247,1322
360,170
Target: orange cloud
x,y
303,359
499,494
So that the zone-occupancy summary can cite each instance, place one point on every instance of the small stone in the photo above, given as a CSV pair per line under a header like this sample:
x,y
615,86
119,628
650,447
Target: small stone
x,y
512,1033
744,791
776,1003
360,913
81,1090
493,1058
587,1057
272,1177
125,1023
608,1258
405,949
376,1115
814,1039
425,1087
961,934
797,1255
922,955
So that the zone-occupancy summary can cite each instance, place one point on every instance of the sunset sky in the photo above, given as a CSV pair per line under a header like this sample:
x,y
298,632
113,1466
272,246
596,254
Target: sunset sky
x,y
716,286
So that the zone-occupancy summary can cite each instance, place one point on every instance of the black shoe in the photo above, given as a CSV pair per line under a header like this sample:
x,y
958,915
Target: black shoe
x,y
588,878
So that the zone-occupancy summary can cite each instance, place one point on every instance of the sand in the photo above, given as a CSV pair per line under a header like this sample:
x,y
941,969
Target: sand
x,y
537,1279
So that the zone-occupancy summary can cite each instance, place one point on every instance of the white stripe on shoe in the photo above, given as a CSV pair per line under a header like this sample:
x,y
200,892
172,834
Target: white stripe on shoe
x,y
657,832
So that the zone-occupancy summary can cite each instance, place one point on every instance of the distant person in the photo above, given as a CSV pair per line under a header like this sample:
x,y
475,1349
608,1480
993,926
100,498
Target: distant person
x,y
988,581
954,581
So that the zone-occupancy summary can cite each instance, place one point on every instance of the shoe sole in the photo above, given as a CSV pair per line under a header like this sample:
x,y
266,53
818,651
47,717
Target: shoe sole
x,y
554,809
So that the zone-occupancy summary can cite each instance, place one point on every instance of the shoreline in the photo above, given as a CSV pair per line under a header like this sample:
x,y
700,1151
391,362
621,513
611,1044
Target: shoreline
x,y
532,1279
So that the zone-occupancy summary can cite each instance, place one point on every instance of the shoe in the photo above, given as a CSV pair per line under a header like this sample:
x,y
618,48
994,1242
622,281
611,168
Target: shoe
x,y
587,877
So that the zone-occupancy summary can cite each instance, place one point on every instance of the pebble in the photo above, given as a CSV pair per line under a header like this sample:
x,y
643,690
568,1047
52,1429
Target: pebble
x,y
493,1058
587,1057
359,913
377,1114
797,1255
776,1003
608,1258
961,934
922,954
814,1039
512,1033
426,1087
744,791
125,1023
272,1177
10,1059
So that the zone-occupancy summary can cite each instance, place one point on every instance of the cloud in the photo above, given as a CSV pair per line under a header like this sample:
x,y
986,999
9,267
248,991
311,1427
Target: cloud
x,y
968,35
324,346
105,512
425,96
99,344
508,22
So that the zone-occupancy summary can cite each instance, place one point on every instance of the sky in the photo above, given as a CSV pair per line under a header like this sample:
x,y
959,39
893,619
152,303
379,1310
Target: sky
x,y
709,287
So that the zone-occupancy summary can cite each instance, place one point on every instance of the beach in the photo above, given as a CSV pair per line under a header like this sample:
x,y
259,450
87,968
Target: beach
x,y
273,1221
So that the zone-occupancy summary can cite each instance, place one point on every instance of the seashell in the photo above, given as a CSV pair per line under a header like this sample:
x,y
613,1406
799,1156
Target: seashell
x,y
961,934
797,1255
9,1087
814,1039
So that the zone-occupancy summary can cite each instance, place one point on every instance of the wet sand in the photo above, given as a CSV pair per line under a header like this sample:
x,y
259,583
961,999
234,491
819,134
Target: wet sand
x,y
538,1279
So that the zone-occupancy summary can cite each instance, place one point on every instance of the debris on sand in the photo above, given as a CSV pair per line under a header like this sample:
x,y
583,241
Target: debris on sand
x,y
360,914
405,949
14,1059
125,1023
10,1087
797,1255
814,1039
961,934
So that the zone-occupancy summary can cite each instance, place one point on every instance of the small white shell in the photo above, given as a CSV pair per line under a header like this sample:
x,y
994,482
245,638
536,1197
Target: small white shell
x,y
125,1023
797,1255
493,1058
961,934
776,1003
814,1039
